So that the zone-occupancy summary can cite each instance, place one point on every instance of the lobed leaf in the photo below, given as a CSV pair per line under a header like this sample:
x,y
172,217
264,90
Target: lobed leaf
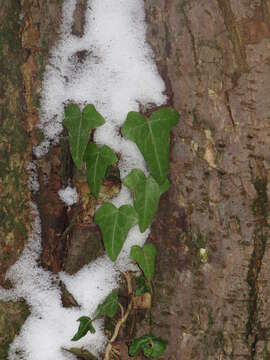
x,y
150,345
152,138
145,258
84,327
137,345
109,306
97,162
115,224
79,125
146,193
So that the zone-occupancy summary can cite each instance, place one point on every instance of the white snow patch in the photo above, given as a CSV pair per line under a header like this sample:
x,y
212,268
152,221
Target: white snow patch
x,y
117,75
68,195
33,183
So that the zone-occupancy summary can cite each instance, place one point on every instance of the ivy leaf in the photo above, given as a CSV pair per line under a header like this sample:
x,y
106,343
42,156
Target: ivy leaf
x,y
164,187
141,286
155,347
152,138
84,327
135,177
115,224
109,306
150,345
97,162
145,258
138,344
79,125
146,193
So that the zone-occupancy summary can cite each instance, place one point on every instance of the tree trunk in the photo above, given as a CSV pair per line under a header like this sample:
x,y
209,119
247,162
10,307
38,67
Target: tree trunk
x,y
212,231
212,280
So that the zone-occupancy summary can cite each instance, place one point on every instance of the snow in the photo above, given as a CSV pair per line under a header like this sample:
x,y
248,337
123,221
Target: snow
x,y
33,183
117,76
68,195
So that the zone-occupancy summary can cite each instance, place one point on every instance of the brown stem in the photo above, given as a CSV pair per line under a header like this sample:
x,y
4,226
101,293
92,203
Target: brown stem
x,y
122,320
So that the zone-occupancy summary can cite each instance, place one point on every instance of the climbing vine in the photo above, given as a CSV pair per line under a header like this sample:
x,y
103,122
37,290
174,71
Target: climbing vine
x,y
152,138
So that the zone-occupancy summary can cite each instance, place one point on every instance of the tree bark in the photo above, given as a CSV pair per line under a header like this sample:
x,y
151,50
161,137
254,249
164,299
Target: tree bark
x,y
212,229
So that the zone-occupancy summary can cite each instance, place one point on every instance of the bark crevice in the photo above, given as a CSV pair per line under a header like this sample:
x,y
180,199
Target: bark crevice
x,y
260,209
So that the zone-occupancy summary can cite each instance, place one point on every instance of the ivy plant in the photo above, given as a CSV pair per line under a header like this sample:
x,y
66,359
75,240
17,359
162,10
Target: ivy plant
x,y
150,345
107,308
115,224
141,286
84,327
146,193
145,258
79,125
152,138
97,162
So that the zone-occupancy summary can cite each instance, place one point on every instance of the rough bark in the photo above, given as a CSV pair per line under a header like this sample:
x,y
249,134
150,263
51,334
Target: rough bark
x,y
14,140
213,269
27,31
212,229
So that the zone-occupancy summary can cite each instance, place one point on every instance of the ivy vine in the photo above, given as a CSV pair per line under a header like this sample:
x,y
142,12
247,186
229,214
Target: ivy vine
x,y
152,138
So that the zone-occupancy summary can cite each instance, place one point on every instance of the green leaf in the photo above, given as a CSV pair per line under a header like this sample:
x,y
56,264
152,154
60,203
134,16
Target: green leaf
x,y
141,286
164,187
135,177
109,306
150,345
145,258
137,345
84,327
146,193
152,138
97,162
115,224
79,125
155,348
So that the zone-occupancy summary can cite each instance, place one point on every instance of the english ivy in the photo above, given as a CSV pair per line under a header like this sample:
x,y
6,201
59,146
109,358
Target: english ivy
x,y
85,326
97,162
141,286
109,306
150,345
152,138
146,193
115,224
79,125
145,258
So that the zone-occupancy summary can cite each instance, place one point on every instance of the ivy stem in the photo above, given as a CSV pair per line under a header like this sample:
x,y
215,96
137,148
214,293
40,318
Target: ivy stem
x,y
128,281
122,309
123,319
